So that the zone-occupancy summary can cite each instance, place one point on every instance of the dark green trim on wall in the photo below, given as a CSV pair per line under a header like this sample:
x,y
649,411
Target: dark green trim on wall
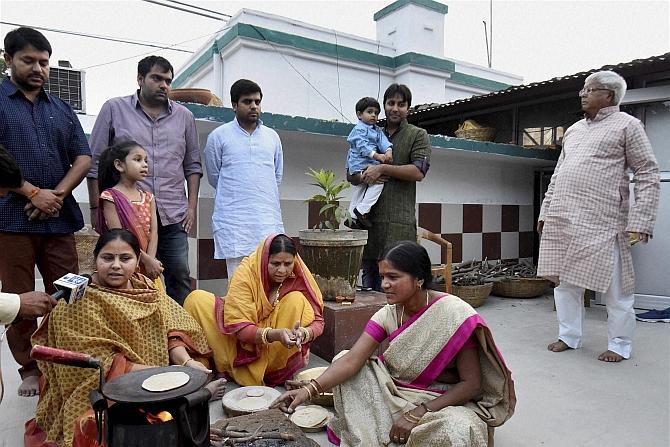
x,y
423,60
487,147
195,66
334,128
313,45
244,30
428,4
476,81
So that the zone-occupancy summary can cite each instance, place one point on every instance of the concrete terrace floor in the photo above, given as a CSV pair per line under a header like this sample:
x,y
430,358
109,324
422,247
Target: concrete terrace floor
x,y
564,399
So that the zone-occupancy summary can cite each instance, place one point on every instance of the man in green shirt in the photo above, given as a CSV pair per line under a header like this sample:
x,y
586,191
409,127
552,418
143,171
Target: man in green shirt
x,y
393,217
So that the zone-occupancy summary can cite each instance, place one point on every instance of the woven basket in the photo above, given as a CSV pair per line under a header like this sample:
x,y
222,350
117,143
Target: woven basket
x,y
480,134
521,287
473,295
85,241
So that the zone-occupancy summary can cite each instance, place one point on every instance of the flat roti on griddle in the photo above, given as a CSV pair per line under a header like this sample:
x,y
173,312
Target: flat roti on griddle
x,y
165,381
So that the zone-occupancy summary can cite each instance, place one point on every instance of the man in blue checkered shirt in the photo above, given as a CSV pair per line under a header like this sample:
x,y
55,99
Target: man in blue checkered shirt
x,y
39,218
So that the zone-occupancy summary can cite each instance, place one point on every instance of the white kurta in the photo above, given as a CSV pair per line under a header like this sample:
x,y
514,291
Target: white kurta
x,y
10,303
246,171
586,210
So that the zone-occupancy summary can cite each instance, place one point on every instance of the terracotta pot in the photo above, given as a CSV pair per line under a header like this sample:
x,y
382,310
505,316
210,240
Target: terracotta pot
x,y
195,95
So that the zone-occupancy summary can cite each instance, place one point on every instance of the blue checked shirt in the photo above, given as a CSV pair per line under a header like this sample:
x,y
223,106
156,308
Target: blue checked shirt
x,y
364,140
44,137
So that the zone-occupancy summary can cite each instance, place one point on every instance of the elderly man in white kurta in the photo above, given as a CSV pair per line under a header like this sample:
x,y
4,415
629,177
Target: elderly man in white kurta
x,y
586,222
244,165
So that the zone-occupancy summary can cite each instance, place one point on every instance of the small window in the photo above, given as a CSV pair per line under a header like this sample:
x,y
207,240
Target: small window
x,y
543,137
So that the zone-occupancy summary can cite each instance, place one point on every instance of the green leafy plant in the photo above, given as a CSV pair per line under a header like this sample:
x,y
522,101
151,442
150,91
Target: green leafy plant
x,y
331,211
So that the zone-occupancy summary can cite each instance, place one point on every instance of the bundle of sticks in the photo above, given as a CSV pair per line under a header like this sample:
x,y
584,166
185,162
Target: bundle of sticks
x,y
232,435
473,273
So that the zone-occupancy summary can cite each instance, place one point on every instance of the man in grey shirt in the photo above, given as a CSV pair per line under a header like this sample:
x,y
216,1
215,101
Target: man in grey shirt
x,y
166,130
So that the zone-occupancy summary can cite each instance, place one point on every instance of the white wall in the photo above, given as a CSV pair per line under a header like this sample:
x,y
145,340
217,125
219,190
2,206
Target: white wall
x,y
454,176
286,92
413,29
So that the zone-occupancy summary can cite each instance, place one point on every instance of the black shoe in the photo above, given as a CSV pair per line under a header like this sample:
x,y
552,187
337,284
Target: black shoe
x,y
363,220
353,224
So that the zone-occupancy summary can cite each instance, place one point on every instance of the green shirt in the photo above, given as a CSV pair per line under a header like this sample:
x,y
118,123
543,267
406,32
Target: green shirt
x,y
394,214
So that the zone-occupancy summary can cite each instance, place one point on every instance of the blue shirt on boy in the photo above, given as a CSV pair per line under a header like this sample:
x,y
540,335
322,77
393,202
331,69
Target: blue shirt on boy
x,y
364,140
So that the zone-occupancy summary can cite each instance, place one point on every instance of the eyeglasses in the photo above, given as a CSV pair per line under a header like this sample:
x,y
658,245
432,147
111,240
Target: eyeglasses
x,y
587,91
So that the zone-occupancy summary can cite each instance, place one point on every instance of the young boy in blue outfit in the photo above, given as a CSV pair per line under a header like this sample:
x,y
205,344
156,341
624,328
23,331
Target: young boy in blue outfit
x,y
368,145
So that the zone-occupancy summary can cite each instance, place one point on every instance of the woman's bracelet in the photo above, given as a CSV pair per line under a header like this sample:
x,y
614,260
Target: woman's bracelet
x,y
425,407
317,386
316,390
264,335
186,361
308,336
309,391
409,417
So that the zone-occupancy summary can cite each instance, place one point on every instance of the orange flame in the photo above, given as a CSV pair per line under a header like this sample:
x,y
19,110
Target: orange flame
x,y
157,418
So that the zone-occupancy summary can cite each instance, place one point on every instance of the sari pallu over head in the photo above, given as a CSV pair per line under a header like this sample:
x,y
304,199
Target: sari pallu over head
x,y
135,325
427,343
127,217
247,302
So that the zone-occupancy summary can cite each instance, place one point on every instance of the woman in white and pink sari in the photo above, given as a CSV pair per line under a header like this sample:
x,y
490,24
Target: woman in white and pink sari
x,y
440,382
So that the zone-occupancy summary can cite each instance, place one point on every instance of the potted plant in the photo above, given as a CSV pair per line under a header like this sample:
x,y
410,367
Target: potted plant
x,y
333,255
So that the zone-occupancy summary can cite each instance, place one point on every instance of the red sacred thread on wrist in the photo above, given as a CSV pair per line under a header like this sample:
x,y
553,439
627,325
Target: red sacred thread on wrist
x,y
33,193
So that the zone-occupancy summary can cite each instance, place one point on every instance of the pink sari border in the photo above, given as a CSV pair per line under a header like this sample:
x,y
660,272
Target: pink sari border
x,y
332,437
449,351
409,322
245,357
374,330
229,329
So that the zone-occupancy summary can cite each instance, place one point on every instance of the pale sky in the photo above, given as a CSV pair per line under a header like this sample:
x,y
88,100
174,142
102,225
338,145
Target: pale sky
x,y
535,39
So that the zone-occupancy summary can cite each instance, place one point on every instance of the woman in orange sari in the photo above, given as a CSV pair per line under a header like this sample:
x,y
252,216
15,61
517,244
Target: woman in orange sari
x,y
260,332
124,321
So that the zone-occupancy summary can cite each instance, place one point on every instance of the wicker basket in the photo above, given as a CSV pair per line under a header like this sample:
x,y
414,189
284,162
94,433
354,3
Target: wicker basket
x,y
85,241
473,295
479,134
521,287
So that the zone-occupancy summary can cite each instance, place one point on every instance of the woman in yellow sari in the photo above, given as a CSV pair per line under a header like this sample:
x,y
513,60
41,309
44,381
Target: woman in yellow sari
x,y
124,321
260,332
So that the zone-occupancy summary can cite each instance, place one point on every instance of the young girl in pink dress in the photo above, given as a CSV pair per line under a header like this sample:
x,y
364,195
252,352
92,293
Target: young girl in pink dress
x,y
123,204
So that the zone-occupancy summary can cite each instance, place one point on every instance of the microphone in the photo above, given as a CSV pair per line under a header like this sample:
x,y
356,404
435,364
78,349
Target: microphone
x,y
71,287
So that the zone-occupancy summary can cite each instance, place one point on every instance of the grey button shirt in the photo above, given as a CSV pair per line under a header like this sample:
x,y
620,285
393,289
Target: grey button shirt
x,y
171,142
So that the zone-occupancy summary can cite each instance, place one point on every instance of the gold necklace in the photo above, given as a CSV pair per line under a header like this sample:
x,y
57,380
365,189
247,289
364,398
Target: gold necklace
x,y
274,302
402,313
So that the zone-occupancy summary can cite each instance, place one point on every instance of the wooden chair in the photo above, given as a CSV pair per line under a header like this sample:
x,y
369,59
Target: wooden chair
x,y
422,233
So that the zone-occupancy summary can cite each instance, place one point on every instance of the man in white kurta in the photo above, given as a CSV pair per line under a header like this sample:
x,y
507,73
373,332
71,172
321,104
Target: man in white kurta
x,y
244,165
586,222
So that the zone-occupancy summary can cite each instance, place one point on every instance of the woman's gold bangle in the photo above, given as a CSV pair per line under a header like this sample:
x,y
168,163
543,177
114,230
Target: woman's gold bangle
x,y
316,391
308,336
186,361
264,335
409,417
316,386
309,391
